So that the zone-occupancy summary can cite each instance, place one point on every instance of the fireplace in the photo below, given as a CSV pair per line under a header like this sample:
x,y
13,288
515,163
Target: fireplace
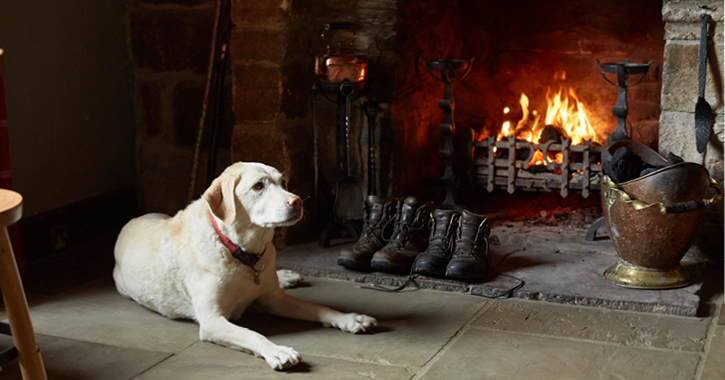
x,y
526,54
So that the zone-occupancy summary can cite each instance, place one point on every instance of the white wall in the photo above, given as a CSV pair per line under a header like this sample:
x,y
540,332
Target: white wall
x,y
68,87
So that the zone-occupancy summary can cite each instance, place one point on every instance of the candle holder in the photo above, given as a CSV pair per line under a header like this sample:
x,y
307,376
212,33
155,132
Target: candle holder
x,y
450,71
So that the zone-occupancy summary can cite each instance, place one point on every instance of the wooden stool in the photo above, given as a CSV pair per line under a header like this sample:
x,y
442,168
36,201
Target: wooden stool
x,y
31,363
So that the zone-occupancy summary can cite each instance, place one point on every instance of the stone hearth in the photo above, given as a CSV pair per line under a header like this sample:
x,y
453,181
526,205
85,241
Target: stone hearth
x,y
556,263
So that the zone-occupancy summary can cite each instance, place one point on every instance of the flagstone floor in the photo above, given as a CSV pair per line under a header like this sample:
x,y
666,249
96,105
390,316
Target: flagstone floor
x,y
87,331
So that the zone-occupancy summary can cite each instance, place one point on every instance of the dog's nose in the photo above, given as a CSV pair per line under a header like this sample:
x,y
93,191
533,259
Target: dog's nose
x,y
294,202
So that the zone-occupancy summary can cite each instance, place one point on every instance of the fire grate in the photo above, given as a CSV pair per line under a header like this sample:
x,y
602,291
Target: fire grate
x,y
507,165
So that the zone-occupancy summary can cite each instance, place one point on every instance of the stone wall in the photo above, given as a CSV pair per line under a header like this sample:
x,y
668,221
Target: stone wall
x,y
272,50
170,42
258,50
679,96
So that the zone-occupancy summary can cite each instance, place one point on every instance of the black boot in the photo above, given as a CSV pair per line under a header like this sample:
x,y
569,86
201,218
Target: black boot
x,y
470,255
407,241
377,216
433,261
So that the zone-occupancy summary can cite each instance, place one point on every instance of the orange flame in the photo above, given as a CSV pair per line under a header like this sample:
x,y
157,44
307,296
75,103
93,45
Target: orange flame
x,y
570,118
564,112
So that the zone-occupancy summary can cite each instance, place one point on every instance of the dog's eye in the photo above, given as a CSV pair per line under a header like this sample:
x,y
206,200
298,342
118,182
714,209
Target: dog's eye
x,y
284,184
258,186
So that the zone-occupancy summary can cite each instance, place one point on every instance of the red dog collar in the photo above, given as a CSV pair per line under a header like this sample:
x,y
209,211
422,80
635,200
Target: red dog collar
x,y
237,252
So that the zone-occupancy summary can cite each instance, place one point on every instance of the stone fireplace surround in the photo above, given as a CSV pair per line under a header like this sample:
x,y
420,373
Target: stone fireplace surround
x,y
272,75
273,44
272,49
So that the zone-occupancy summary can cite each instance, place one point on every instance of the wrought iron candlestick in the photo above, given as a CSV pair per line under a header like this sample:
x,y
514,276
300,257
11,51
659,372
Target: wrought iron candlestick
x,y
623,70
448,68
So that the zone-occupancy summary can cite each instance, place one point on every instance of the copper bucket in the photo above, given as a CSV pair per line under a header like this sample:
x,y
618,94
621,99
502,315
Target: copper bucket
x,y
652,220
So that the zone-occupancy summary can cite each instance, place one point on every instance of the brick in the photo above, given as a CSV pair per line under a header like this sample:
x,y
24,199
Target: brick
x,y
690,31
166,39
245,11
256,91
677,135
258,45
689,11
260,142
679,77
151,94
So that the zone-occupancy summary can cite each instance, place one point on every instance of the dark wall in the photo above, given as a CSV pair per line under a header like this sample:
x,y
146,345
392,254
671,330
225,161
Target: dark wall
x,y
68,86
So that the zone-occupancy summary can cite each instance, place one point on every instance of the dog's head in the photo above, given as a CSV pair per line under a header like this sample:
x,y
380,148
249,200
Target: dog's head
x,y
253,191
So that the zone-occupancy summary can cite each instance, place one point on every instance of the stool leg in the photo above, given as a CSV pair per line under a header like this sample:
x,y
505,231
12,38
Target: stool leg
x,y
31,363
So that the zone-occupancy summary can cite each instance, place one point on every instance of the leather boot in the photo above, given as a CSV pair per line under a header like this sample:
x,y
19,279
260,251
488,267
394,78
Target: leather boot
x,y
377,215
433,261
407,241
470,255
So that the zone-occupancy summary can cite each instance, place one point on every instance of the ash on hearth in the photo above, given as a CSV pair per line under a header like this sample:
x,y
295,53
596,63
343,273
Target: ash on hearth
x,y
625,165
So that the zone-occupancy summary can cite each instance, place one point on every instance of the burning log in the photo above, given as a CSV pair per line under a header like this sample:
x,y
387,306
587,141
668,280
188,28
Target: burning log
x,y
551,151
499,165
536,169
552,132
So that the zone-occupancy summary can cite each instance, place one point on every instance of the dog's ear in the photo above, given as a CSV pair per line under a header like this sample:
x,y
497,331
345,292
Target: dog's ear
x,y
220,198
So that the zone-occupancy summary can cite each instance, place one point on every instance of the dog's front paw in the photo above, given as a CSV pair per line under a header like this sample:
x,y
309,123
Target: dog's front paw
x,y
282,357
356,323
288,279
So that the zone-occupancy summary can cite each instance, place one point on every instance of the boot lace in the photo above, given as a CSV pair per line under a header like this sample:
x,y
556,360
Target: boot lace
x,y
412,276
443,243
369,227
403,230
474,243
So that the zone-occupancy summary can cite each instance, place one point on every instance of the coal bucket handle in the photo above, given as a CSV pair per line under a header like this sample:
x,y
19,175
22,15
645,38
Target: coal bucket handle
x,y
615,193
683,207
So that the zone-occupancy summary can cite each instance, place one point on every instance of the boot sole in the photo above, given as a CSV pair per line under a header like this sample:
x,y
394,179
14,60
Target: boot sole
x,y
384,266
462,276
350,264
429,270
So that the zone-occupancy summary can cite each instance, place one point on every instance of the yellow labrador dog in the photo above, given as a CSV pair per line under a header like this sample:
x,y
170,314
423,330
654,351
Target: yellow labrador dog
x,y
215,258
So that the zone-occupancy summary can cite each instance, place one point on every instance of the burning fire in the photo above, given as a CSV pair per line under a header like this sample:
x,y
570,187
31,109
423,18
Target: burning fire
x,y
565,116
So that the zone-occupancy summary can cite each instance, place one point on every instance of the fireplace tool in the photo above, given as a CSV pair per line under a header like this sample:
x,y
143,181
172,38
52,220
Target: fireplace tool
x,y
623,70
652,220
450,71
703,111
371,113
620,110
341,72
